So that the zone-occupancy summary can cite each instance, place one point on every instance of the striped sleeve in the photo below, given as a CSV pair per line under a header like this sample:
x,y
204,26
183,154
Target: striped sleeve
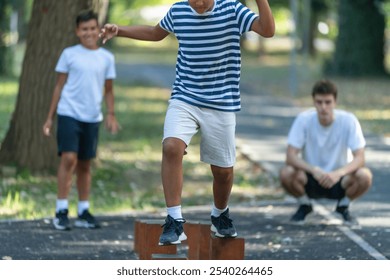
x,y
245,17
167,23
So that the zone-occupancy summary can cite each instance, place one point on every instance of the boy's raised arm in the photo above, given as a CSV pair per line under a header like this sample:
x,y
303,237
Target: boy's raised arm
x,y
264,25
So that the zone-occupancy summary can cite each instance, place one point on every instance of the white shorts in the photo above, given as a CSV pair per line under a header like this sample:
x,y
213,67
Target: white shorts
x,y
217,146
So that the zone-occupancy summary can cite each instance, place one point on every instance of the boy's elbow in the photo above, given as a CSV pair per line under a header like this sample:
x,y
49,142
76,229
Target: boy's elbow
x,y
264,31
269,32
157,38
158,33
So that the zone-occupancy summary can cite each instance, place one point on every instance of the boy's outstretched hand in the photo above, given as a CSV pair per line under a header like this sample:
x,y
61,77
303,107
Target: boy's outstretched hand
x,y
108,31
112,124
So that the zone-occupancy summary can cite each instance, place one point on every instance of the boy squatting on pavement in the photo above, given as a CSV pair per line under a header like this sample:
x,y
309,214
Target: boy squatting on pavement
x,y
205,96
83,71
325,156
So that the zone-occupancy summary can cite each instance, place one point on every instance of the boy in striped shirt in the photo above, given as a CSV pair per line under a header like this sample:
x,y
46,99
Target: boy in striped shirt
x,y
205,96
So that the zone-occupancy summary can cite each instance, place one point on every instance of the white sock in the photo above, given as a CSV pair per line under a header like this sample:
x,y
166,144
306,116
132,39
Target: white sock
x,y
304,199
175,212
215,212
344,201
82,205
61,204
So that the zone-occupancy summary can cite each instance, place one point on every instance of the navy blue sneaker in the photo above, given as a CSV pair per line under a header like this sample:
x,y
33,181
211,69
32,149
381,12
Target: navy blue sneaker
x,y
86,220
61,220
222,226
302,212
346,215
173,232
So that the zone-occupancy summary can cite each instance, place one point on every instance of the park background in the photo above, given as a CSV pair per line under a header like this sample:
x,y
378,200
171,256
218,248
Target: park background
x,y
345,40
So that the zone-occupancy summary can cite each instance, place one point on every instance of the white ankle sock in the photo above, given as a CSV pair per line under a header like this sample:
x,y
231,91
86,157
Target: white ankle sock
x,y
61,204
175,212
344,201
82,205
304,199
217,212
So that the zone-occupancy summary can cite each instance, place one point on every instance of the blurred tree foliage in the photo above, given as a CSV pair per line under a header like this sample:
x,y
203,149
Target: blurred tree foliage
x,y
127,12
360,44
13,14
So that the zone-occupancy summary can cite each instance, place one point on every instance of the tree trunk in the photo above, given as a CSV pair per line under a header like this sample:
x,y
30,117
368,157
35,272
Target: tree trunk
x,y
360,43
51,29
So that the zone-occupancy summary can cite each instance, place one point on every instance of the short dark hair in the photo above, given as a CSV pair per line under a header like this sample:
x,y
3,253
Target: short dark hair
x,y
324,87
86,15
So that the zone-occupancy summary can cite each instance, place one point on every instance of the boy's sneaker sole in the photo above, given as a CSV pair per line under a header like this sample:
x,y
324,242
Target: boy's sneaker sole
x,y
84,224
216,233
58,226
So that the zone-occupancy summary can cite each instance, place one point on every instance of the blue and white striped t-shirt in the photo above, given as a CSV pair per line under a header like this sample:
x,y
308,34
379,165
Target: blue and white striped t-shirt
x,y
209,59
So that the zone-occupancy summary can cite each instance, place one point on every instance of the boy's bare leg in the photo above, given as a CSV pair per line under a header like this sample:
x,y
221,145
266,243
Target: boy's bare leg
x,y
65,173
83,172
172,170
85,218
222,185
221,225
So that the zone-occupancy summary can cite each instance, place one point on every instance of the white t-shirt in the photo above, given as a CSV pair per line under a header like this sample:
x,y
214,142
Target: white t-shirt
x,y
87,71
326,147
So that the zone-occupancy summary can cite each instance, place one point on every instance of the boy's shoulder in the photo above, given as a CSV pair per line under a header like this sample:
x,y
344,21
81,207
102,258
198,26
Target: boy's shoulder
x,y
345,115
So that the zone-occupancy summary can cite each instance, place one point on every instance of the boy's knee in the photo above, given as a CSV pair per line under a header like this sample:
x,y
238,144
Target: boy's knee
x,y
286,172
223,174
364,177
173,147
68,160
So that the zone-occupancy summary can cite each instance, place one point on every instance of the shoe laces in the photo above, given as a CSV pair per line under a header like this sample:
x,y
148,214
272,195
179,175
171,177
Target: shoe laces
x,y
172,225
224,221
63,213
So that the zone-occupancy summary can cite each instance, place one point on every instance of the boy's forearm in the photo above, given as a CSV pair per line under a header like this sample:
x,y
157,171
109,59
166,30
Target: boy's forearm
x,y
54,103
266,22
141,32
109,98
356,163
298,163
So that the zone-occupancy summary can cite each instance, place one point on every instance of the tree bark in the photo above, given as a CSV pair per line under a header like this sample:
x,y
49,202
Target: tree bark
x,y
360,43
51,29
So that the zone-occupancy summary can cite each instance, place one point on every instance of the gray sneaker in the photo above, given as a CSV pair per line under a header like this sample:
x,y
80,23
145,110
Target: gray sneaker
x,y
173,232
346,215
61,220
302,212
222,226
86,220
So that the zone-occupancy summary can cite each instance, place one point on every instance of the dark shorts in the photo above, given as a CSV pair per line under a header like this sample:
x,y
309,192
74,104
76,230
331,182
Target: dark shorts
x,y
78,137
314,190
